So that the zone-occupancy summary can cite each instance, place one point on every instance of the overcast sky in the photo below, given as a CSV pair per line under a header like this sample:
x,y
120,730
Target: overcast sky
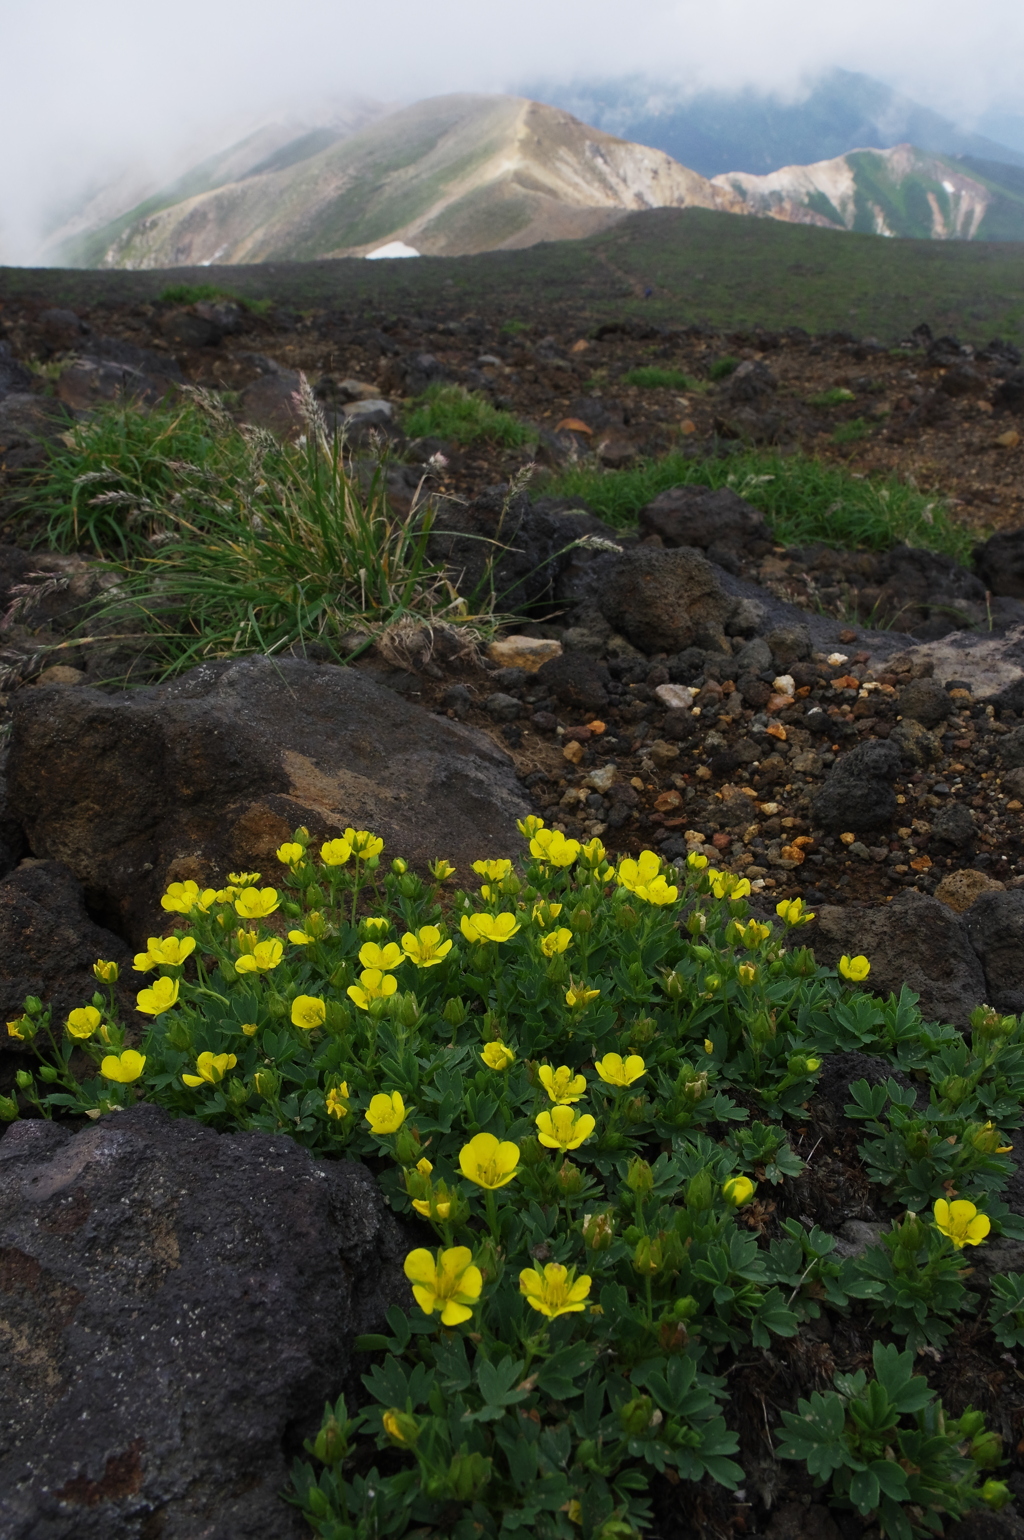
x,y
97,87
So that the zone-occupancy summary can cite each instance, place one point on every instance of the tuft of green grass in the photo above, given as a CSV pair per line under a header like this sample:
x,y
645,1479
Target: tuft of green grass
x,y
834,397
723,367
653,377
110,485
450,412
851,432
514,328
804,500
195,293
250,546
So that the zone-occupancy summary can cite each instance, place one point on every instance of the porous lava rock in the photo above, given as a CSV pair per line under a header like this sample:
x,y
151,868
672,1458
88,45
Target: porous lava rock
x,y
576,680
858,796
915,940
663,601
999,562
706,518
926,702
49,942
177,1305
212,771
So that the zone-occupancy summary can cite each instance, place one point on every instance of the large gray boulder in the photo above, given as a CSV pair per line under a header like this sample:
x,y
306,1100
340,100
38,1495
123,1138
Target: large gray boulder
x,y
210,773
176,1306
995,928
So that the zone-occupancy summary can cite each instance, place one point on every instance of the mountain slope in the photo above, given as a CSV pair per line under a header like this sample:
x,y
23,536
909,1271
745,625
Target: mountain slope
x,y
900,191
448,176
716,131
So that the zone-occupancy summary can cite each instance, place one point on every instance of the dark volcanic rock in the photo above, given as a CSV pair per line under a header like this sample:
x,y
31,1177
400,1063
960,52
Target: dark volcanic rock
x,y
858,796
178,1306
49,942
926,702
664,601
995,928
698,516
211,772
576,680
1000,563
1011,749
14,377
271,402
915,940
25,422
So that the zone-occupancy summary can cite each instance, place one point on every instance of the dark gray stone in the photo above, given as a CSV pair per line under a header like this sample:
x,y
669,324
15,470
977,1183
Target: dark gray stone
x,y
14,377
211,772
999,562
503,708
995,928
49,942
789,644
702,517
178,1304
915,940
664,601
1011,749
955,826
576,680
857,796
926,701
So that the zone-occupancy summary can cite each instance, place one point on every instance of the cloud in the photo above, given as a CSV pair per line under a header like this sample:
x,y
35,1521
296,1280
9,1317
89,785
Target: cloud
x,y
94,88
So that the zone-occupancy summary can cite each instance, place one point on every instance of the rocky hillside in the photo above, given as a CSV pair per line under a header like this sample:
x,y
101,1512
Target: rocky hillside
x,y
900,191
448,176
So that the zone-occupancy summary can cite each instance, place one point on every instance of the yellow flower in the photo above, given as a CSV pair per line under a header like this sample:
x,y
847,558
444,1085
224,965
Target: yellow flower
x,y
544,913
709,1046
556,1291
243,879
14,1029
552,847
170,951
424,1166
250,1028
383,958
160,997
106,972
181,897
447,1281
556,941
82,1023
961,1223
291,853
489,1162
425,948
308,1012
614,1070
400,1426
386,1112
738,1190
594,853
373,985
494,871
364,844
335,852
561,1084
747,973
696,862
300,938
986,1139
374,927
437,1206
264,956
488,927
123,1067
337,1100
728,885
643,877
563,1128
753,933
578,995
793,912
529,826
211,1068
855,969
441,869
497,1056
256,903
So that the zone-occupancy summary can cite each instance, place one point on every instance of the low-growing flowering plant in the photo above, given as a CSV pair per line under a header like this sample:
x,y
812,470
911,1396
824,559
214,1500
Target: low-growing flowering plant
x,y
579,1079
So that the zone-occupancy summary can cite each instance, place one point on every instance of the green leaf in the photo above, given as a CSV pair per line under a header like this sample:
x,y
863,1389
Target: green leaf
x,y
557,1375
496,1381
